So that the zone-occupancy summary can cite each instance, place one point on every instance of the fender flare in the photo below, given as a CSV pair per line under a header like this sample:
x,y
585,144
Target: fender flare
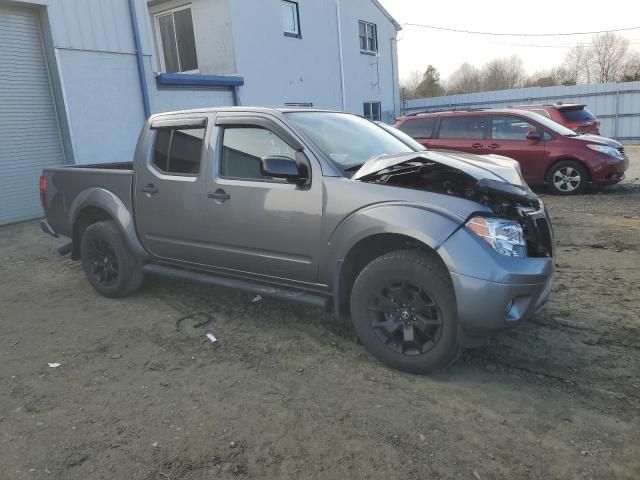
x,y
109,202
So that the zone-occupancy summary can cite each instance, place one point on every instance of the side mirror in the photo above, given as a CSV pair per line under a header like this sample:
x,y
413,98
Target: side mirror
x,y
534,135
282,167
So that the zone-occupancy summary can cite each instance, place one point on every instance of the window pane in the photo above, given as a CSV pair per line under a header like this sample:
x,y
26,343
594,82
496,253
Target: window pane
x,y
168,39
375,111
186,151
243,148
510,128
289,17
363,29
462,127
161,149
363,43
186,40
367,110
419,128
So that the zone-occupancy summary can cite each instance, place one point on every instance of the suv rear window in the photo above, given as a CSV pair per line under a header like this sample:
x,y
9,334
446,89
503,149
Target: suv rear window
x,y
463,127
577,115
419,127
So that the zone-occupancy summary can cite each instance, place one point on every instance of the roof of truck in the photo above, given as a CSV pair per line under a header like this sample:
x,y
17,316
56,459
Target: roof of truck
x,y
271,110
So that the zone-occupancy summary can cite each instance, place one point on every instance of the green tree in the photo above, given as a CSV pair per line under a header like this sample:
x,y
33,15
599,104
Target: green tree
x,y
430,84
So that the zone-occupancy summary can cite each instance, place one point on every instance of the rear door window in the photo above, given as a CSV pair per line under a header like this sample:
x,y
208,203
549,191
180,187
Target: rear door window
x,y
419,127
577,115
510,128
178,151
467,127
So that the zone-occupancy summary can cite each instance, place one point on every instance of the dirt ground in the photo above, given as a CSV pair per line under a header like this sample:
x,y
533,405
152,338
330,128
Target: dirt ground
x,y
285,394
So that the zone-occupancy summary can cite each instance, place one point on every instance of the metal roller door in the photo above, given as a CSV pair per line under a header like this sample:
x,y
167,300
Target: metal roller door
x,y
29,130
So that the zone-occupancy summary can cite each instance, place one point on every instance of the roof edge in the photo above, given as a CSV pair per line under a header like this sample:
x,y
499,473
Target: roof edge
x,y
386,13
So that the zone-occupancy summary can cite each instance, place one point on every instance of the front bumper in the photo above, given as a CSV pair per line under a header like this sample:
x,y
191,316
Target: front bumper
x,y
494,292
610,173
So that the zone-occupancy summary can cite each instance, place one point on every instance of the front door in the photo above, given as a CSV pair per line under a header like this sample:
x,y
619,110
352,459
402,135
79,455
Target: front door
x,y
170,189
463,133
261,225
508,137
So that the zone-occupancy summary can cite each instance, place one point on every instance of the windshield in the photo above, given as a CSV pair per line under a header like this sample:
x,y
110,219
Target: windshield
x,y
550,124
403,137
349,141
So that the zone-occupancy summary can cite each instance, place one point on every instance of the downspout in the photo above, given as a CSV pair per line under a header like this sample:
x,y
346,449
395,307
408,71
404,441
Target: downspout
x,y
139,59
344,100
236,96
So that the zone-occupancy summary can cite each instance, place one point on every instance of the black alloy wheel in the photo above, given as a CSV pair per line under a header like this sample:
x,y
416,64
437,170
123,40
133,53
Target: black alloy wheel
x,y
103,262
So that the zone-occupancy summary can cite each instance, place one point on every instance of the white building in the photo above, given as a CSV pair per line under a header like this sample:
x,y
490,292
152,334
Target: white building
x,y
78,77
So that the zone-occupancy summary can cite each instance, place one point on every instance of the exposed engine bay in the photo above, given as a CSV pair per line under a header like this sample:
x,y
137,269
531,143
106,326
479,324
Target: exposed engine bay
x,y
514,202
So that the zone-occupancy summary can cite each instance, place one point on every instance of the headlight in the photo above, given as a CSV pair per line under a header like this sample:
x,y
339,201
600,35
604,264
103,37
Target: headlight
x,y
613,152
505,236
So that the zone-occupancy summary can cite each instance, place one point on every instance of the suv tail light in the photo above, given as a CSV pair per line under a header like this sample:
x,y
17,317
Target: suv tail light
x,y
43,190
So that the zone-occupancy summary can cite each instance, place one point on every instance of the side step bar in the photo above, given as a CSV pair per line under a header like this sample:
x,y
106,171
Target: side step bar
x,y
244,285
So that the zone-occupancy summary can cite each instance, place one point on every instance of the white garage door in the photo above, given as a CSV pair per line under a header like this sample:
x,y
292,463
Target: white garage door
x,y
29,130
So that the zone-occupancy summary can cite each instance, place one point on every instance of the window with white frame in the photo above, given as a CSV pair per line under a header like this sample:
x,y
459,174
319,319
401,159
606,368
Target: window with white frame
x,y
372,111
368,37
176,40
290,18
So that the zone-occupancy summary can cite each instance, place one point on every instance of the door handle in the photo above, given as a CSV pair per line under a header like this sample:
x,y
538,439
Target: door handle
x,y
219,195
150,189
477,145
494,145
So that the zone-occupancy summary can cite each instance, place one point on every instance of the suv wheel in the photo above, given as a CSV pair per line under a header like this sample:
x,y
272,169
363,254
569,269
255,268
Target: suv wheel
x,y
107,262
404,311
567,178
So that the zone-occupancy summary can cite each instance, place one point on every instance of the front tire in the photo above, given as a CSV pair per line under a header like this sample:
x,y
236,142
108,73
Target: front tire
x,y
404,311
567,178
108,263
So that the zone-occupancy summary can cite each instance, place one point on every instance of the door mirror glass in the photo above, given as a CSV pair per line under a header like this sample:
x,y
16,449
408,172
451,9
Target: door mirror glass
x,y
533,135
277,166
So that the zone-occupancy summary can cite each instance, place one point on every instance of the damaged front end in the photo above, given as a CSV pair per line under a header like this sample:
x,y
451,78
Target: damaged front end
x,y
495,183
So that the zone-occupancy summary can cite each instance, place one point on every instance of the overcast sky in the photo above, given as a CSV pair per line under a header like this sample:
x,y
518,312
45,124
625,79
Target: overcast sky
x,y
419,47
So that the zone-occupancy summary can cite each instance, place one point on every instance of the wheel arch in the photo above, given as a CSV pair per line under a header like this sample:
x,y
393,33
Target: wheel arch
x,y
98,204
361,254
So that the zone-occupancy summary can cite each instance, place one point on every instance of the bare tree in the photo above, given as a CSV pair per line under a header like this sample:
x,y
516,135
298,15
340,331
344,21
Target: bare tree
x,y
410,84
609,52
503,73
466,79
578,64
631,70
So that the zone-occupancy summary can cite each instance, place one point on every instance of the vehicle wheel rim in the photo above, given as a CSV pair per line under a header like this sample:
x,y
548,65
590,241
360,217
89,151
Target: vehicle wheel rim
x,y
405,318
103,262
566,179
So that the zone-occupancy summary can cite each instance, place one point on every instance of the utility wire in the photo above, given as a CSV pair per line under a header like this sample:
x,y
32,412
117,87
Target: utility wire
x,y
503,34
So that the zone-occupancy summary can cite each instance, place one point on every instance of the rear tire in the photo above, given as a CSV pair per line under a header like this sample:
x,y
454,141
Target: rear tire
x,y
111,268
403,309
567,177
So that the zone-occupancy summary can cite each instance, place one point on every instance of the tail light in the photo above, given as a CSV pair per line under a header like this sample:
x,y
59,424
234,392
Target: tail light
x,y
43,190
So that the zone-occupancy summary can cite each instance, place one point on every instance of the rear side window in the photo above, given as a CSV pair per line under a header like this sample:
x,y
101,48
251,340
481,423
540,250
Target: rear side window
x,y
463,127
419,127
577,115
178,151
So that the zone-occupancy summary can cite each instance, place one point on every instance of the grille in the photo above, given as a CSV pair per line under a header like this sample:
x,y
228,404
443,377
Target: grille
x,y
544,234
621,150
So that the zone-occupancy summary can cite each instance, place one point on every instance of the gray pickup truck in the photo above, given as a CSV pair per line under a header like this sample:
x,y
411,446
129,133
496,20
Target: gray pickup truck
x,y
425,251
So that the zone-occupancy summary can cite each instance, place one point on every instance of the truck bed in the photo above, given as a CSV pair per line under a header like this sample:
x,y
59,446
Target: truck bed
x,y
66,185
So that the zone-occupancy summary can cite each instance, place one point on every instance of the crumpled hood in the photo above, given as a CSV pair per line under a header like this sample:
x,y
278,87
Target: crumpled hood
x,y
610,142
481,167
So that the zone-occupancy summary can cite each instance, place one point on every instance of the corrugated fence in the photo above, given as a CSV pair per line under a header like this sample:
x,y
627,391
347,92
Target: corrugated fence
x,y
617,105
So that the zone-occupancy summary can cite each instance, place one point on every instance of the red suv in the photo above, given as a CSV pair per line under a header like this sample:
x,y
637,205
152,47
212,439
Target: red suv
x,y
548,152
575,116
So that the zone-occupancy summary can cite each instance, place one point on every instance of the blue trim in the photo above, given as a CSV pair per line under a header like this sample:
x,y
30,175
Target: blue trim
x,y
139,59
194,80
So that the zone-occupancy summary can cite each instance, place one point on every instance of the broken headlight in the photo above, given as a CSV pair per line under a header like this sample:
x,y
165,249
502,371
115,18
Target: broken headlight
x,y
505,236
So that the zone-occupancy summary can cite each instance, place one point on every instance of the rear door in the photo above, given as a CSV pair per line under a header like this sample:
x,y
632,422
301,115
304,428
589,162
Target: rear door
x,y
465,133
508,137
259,225
170,188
